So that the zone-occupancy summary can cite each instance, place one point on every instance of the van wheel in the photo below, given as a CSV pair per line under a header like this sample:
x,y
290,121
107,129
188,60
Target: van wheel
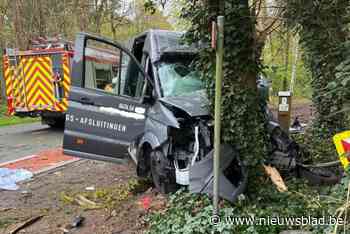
x,y
164,182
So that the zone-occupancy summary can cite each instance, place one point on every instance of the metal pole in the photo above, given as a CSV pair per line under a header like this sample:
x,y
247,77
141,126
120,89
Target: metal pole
x,y
217,127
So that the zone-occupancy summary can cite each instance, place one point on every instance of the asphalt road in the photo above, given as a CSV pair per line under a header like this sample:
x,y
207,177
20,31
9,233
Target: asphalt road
x,y
23,140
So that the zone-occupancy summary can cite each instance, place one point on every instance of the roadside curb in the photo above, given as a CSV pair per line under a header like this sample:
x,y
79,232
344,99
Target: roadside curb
x,y
41,162
57,166
17,160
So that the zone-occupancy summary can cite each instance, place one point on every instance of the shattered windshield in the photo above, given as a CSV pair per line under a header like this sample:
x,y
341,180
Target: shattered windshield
x,y
178,78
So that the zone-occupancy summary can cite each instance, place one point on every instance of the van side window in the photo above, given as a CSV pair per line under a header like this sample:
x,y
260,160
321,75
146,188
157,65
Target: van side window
x,y
131,78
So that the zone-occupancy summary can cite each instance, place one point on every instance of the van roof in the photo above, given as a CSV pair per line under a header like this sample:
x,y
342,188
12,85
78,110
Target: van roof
x,y
161,42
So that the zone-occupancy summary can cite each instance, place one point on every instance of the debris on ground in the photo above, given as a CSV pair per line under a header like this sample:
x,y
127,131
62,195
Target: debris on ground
x,y
146,202
108,197
9,178
25,224
76,223
5,209
86,203
90,188
111,215
150,202
118,192
276,178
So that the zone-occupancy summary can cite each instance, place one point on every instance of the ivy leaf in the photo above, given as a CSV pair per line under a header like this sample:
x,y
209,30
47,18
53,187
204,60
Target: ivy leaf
x,y
345,81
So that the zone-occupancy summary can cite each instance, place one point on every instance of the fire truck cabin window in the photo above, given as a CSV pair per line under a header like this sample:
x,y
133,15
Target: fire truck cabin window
x,y
101,67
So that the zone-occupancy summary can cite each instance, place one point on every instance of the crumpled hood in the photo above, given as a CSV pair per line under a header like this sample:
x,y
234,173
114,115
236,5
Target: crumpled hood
x,y
194,105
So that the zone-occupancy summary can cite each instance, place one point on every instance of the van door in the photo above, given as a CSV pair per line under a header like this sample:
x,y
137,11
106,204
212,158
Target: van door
x,y
105,112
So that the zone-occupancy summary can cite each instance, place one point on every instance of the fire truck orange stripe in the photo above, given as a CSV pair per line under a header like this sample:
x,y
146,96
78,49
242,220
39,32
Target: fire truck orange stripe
x,y
47,98
46,66
40,94
40,87
27,64
36,73
41,90
46,59
67,78
45,78
66,89
38,80
7,77
32,89
30,85
33,93
34,69
41,99
60,107
33,63
65,69
38,101
40,76
66,81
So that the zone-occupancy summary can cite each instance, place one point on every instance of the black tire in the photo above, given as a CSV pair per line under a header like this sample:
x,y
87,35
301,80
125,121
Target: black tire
x,y
56,125
53,122
319,176
163,181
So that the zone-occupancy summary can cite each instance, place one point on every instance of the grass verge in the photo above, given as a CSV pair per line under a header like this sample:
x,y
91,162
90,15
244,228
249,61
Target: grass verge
x,y
6,120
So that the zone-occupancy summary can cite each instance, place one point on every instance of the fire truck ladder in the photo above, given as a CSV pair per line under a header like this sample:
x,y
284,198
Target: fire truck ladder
x,y
19,76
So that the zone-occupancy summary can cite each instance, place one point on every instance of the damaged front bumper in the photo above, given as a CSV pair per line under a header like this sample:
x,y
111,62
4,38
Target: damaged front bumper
x,y
232,179
194,167
199,176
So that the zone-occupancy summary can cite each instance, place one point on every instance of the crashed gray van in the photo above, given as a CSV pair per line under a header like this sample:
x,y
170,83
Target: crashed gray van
x,y
147,103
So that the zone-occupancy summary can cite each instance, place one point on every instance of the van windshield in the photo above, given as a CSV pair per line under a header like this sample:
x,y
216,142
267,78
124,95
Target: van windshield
x,y
178,79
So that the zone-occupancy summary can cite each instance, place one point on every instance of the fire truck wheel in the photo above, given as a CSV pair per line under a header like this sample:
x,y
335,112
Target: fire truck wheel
x,y
57,125
53,122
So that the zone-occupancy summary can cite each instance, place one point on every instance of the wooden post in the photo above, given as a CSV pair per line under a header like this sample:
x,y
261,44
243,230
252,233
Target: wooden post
x,y
284,109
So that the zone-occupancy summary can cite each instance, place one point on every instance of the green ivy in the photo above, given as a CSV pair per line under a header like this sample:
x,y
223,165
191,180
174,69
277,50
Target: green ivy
x,y
323,27
341,85
243,120
188,213
318,23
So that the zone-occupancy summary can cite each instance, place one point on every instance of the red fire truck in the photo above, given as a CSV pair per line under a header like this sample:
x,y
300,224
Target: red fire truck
x,y
37,81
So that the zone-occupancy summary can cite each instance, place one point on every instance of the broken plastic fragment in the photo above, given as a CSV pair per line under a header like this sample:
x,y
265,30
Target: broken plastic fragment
x,y
9,177
146,202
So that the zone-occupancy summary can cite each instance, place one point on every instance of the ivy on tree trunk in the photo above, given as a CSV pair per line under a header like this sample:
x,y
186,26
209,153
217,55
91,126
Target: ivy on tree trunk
x,y
243,120
323,27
